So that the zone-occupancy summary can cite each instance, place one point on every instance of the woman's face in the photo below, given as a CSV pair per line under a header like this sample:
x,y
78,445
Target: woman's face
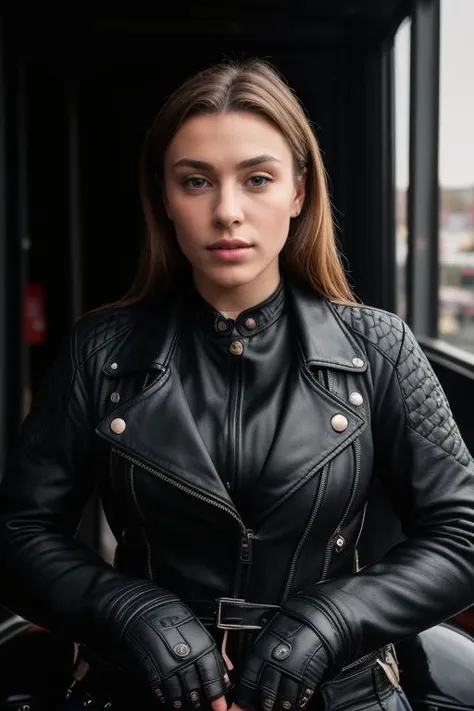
x,y
230,190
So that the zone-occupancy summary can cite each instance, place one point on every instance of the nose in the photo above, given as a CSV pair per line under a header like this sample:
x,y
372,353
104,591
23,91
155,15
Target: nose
x,y
228,209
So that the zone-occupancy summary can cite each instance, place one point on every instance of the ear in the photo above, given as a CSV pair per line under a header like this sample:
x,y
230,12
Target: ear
x,y
299,193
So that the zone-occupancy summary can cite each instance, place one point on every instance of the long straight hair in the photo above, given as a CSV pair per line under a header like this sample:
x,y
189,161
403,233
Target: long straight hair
x,y
255,87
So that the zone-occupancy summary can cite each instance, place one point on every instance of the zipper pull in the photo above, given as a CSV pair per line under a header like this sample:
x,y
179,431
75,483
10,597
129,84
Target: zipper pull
x,y
246,547
391,672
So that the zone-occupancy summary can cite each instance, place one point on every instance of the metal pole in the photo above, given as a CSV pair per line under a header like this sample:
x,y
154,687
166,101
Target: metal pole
x,y
3,260
423,198
387,258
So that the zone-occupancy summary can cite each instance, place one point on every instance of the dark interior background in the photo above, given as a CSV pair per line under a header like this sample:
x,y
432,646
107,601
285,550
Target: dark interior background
x,y
104,75
81,86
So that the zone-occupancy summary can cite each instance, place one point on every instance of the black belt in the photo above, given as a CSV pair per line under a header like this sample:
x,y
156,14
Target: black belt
x,y
229,613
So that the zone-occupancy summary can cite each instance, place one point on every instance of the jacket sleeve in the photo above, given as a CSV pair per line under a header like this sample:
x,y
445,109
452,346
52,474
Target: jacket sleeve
x,y
48,576
429,474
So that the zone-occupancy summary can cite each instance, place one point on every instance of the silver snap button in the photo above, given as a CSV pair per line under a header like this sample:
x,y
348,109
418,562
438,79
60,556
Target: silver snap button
x,y
339,423
340,543
236,348
356,399
250,323
118,425
286,705
115,397
221,326
182,650
113,366
358,362
281,651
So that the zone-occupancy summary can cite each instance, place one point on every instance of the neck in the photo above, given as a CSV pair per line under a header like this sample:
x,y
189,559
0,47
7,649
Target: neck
x,y
231,301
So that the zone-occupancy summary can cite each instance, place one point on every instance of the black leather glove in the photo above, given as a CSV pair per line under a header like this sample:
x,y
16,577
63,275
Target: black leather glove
x,y
160,639
287,662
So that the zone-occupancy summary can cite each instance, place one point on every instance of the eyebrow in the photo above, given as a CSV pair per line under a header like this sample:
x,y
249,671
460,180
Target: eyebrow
x,y
202,165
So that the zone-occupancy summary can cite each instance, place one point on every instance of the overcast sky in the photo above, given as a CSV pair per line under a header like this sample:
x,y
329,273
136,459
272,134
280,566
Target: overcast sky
x,y
456,154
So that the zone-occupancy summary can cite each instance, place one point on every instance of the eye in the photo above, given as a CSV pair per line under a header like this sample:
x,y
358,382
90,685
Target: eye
x,y
195,183
259,181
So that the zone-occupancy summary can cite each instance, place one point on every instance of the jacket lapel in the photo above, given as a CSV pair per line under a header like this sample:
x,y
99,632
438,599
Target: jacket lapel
x,y
306,440
155,426
159,430
324,339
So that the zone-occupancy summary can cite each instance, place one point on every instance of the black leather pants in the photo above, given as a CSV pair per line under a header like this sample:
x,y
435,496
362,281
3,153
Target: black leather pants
x,y
365,687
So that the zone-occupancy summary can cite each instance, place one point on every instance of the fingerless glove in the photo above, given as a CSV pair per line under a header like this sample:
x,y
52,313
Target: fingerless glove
x,y
160,639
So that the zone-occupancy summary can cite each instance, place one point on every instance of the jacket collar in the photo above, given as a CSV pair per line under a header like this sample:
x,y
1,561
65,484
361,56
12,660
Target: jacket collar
x,y
323,337
148,343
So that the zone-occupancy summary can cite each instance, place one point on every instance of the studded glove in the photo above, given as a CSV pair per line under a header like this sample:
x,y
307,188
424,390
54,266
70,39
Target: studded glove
x,y
288,660
157,637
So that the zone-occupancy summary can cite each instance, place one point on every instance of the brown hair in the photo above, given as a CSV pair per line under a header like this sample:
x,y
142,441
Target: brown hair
x,y
252,86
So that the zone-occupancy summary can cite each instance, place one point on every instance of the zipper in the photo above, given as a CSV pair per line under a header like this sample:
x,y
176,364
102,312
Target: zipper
x,y
302,541
356,565
326,379
361,660
330,545
111,477
245,548
245,561
182,487
233,429
151,574
387,663
329,380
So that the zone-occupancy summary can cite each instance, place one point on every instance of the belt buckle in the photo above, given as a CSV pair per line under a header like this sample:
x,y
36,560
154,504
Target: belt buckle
x,y
223,626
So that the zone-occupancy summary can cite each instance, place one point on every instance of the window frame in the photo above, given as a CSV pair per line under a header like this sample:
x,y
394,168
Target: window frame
x,y
423,193
423,261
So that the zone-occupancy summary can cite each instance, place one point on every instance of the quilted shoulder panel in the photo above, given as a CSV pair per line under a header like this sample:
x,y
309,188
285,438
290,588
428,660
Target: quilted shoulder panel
x,y
383,329
426,404
99,330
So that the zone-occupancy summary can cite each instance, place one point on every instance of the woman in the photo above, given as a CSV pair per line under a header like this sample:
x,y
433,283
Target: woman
x,y
234,411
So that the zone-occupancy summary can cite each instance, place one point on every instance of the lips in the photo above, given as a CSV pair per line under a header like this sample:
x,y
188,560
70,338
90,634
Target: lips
x,y
225,244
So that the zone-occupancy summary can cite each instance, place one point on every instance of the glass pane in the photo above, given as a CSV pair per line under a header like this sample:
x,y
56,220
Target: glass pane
x,y
402,120
456,174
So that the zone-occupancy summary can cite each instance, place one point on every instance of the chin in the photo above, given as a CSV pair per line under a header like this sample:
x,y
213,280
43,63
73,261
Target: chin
x,y
232,276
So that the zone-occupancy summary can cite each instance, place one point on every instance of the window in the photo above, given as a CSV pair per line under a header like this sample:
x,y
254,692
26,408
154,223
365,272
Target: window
x,y
402,119
456,175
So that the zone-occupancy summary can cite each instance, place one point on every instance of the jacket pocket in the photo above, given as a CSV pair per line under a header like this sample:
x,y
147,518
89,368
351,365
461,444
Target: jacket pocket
x,y
362,686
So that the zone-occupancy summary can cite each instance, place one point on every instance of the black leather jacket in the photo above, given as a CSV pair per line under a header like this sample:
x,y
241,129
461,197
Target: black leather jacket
x,y
365,405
